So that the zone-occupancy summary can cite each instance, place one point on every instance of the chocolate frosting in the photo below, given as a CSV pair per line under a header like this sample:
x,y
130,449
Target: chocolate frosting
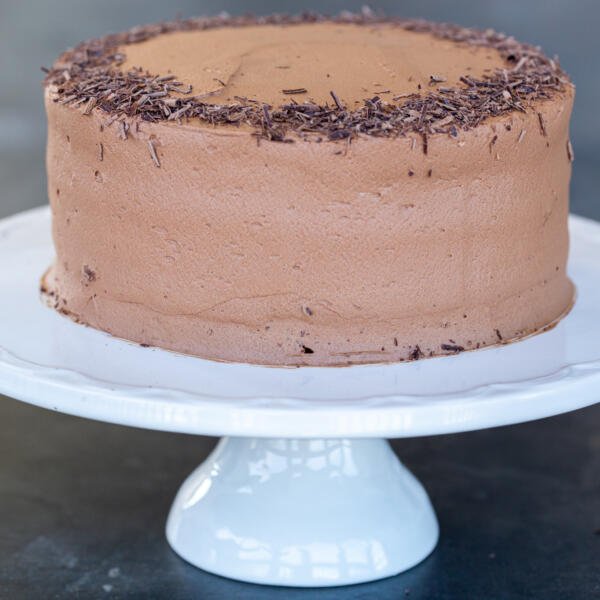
x,y
418,240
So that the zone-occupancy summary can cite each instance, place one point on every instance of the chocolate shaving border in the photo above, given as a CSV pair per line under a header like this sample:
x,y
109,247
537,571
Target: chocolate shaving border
x,y
89,76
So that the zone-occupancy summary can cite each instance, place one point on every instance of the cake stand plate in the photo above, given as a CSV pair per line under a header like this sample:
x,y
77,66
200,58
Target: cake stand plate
x,y
303,490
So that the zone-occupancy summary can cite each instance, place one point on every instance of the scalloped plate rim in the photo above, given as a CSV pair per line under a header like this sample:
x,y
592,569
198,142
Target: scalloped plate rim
x,y
393,415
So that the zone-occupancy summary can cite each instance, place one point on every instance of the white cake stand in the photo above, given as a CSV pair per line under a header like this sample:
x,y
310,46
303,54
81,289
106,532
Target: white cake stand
x,y
304,490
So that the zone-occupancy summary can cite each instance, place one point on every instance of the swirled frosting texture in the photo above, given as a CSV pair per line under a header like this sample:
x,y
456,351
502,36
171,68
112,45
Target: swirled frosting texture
x,y
310,253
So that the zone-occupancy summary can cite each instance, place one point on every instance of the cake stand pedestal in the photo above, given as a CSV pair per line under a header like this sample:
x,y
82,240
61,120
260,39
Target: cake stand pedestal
x,y
304,490
302,512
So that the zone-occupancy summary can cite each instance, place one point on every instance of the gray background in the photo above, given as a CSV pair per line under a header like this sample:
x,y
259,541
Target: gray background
x,y
34,32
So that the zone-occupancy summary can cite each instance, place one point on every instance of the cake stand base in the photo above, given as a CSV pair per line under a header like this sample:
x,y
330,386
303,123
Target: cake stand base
x,y
300,512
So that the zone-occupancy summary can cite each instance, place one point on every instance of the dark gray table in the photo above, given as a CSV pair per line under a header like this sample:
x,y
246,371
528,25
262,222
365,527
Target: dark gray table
x,y
83,506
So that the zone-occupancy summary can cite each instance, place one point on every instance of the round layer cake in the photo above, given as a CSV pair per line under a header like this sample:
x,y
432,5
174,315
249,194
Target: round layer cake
x,y
309,191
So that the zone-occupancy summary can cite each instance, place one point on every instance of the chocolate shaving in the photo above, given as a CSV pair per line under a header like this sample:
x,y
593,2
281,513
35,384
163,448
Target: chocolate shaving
x,y
100,151
542,124
89,274
295,91
433,79
267,116
452,348
425,142
570,153
153,153
89,106
90,76
123,129
415,353
336,100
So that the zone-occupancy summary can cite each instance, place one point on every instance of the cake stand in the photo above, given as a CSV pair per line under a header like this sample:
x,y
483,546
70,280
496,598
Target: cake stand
x,y
303,490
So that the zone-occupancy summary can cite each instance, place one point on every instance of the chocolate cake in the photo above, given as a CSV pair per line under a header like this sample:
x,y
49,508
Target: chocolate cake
x,y
309,190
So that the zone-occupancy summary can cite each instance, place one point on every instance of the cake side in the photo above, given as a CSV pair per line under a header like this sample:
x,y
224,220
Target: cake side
x,y
388,248
302,254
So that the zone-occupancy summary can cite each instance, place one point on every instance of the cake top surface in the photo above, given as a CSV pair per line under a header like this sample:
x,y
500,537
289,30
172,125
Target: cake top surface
x,y
277,64
309,75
